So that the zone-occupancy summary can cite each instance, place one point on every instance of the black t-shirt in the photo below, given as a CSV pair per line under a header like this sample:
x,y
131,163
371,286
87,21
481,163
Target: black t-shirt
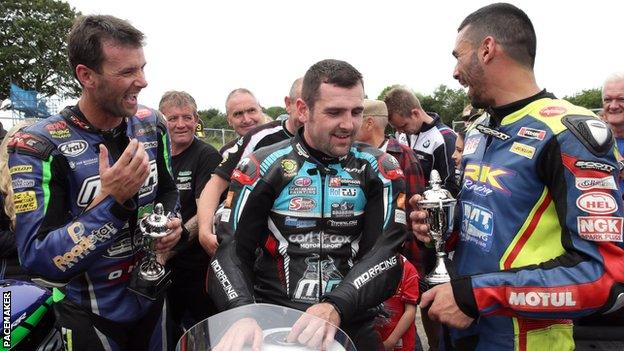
x,y
191,171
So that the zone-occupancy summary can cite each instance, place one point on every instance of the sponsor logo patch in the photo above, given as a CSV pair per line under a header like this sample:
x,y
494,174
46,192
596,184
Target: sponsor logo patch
x,y
299,223
477,226
20,169
599,166
18,183
374,271
493,132
302,190
600,228
536,298
25,201
531,133
552,111
301,204
142,113
343,192
73,148
58,130
399,217
484,179
597,203
471,145
584,183
150,145
335,182
342,209
289,168
303,181
522,150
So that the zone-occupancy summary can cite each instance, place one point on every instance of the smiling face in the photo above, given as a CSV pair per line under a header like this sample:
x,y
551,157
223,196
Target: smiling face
x,y
613,102
181,123
332,124
120,80
469,71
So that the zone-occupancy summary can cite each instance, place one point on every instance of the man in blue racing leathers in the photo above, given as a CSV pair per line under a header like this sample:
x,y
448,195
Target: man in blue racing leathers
x,y
82,179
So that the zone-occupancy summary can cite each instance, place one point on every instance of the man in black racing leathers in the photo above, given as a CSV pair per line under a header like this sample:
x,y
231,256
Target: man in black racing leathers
x,y
327,215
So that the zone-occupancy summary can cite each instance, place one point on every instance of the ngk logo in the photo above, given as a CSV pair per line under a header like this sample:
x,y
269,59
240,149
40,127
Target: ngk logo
x,y
597,203
600,228
533,299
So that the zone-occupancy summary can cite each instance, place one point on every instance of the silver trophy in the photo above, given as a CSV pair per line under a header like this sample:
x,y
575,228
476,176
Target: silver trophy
x,y
151,278
440,206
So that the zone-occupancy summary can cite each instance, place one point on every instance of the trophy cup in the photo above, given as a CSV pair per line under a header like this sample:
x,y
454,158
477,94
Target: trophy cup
x,y
440,205
150,278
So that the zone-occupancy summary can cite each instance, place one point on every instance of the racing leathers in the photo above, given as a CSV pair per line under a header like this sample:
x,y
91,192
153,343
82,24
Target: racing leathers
x,y
328,231
541,230
90,252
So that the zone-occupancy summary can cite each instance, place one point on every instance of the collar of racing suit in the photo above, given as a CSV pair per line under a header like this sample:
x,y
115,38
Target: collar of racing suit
x,y
498,113
74,116
426,126
315,156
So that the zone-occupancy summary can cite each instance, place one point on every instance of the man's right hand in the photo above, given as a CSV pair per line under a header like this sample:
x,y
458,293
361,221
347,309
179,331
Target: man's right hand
x,y
243,332
124,179
208,241
419,220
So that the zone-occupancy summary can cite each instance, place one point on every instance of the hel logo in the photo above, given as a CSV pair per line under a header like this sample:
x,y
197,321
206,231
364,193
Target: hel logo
x,y
487,175
535,300
551,111
600,228
531,133
597,203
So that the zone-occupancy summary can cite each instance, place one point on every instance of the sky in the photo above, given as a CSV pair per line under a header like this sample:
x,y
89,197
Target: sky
x,y
209,48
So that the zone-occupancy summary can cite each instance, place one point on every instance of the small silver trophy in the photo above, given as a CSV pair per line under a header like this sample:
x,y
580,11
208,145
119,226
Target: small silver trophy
x,y
440,206
151,278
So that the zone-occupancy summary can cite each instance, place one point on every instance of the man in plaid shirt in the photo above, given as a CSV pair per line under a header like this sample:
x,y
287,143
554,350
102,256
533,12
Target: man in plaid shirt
x,y
372,132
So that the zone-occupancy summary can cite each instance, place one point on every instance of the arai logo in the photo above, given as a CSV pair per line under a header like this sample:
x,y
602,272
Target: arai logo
x,y
73,148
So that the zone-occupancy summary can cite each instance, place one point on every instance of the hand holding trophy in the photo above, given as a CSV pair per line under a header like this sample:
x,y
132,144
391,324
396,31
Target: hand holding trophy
x,y
440,206
150,278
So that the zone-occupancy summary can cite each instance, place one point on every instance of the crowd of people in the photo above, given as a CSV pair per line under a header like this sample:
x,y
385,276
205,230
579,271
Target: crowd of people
x,y
319,210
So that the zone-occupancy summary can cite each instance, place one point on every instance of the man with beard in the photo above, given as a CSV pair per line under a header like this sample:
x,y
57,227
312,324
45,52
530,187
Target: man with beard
x,y
522,272
193,163
82,179
327,216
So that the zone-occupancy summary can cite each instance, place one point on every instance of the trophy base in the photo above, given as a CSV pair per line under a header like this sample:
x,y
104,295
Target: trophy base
x,y
439,275
151,289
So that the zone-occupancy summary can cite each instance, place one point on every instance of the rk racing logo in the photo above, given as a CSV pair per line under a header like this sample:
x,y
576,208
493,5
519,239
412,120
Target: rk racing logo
x,y
484,179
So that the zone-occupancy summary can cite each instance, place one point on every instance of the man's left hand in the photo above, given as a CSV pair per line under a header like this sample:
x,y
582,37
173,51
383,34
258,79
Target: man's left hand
x,y
317,327
167,242
443,307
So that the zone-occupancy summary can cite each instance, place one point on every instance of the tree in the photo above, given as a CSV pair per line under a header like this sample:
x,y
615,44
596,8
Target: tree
x,y
275,111
33,49
213,118
588,98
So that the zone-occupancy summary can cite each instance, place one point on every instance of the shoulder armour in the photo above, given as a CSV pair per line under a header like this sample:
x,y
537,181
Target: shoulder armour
x,y
592,132
27,143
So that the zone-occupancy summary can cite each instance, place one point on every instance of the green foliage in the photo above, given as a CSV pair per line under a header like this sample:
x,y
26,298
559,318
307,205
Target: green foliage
x,y
213,118
33,48
588,98
448,103
274,111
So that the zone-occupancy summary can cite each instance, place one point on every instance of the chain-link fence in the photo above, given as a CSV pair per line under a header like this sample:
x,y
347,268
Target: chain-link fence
x,y
218,137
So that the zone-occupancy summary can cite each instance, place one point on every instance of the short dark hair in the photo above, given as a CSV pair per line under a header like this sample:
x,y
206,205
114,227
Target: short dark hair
x,y
509,25
401,101
336,72
89,32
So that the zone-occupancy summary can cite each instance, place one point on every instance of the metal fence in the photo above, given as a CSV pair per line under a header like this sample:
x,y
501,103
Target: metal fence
x,y
218,137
